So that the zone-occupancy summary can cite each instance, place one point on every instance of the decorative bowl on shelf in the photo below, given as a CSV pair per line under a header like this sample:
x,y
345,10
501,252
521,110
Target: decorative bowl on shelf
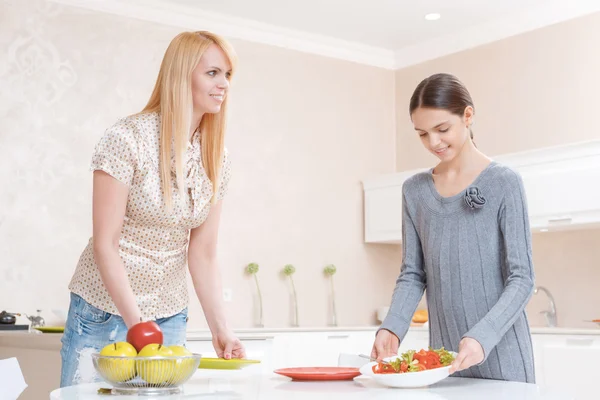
x,y
146,375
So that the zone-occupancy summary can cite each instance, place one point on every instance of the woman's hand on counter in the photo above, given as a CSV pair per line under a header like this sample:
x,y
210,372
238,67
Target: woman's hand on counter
x,y
228,346
470,353
386,345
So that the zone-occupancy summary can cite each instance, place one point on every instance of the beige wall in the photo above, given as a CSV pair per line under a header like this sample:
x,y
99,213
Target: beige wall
x,y
533,90
567,263
304,131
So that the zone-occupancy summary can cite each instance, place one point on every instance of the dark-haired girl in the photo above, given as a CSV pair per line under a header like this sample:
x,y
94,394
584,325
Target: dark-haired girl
x,y
466,239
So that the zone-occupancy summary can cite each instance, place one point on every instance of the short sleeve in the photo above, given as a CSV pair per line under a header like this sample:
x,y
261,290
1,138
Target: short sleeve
x,y
117,152
225,175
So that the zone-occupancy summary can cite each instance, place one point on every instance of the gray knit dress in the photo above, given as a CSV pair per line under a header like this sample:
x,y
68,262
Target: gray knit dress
x,y
472,252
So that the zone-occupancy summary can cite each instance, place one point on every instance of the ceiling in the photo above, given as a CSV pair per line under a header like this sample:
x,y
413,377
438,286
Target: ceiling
x,y
389,24
385,33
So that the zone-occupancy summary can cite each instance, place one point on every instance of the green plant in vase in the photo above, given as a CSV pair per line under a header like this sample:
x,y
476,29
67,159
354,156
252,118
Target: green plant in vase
x,y
252,269
329,271
288,271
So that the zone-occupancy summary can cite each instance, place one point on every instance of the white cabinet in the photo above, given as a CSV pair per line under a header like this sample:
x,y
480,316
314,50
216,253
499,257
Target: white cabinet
x,y
561,184
322,349
383,214
383,208
310,349
568,363
563,362
301,349
415,340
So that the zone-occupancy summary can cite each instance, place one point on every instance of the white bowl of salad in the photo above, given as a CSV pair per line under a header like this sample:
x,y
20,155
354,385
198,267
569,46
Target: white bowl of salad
x,y
411,369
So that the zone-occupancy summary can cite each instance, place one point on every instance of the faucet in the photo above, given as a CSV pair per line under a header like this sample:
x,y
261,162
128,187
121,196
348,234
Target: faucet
x,y
549,314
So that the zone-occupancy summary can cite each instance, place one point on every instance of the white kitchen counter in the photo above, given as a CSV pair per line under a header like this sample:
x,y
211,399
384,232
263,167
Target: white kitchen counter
x,y
269,333
50,341
39,357
542,330
243,386
564,331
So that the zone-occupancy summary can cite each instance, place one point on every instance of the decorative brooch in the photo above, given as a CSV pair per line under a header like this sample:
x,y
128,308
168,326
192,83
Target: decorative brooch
x,y
473,198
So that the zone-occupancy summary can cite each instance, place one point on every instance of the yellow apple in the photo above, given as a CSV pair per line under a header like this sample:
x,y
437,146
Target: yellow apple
x,y
118,369
183,368
180,350
155,370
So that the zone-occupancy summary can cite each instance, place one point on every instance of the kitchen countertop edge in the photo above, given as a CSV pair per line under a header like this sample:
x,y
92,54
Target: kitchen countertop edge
x,y
51,341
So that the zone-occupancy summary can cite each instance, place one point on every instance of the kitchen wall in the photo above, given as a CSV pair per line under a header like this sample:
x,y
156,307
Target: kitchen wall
x,y
533,90
304,131
567,263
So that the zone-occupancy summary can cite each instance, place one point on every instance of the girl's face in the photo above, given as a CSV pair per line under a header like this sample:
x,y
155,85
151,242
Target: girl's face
x,y
210,81
441,132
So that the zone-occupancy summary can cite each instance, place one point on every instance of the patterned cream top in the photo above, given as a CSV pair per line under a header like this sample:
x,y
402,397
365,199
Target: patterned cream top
x,y
153,243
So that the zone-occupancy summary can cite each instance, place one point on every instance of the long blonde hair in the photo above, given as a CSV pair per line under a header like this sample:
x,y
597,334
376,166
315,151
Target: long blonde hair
x,y
172,98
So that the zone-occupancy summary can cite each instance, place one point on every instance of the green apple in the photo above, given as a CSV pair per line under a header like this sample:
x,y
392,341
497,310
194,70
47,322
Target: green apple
x,y
183,368
118,369
155,370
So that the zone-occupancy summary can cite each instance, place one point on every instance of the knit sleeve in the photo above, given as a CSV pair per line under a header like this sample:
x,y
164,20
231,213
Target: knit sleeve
x,y
411,283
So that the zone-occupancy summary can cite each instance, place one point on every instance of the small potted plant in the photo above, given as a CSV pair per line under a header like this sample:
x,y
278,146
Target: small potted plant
x,y
329,271
252,269
288,271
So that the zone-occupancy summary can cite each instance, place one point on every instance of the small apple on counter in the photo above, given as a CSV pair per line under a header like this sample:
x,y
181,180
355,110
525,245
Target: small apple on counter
x,y
118,370
144,333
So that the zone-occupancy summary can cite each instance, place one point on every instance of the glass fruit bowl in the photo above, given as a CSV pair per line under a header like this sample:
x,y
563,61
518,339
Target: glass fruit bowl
x,y
146,375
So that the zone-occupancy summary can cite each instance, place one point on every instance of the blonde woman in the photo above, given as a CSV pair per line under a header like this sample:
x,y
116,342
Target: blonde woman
x,y
159,178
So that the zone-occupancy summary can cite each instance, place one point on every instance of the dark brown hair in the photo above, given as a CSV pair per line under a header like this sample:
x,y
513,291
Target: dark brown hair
x,y
442,91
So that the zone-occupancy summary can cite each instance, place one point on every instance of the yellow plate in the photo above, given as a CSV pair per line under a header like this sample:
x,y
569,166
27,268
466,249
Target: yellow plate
x,y
51,329
221,363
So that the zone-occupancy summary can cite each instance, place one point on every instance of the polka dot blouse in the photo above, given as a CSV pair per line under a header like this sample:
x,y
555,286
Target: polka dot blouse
x,y
153,242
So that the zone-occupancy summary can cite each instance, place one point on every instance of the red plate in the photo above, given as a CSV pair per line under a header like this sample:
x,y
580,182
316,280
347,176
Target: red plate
x,y
319,373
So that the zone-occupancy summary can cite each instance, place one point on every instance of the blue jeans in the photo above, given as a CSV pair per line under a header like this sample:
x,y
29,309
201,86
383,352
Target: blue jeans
x,y
89,329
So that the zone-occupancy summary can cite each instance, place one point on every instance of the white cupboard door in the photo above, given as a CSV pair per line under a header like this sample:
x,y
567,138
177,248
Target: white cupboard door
x,y
260,349
306,349
538,357
337,343
202,347
570,364
359,343
561,193
383,214
415,340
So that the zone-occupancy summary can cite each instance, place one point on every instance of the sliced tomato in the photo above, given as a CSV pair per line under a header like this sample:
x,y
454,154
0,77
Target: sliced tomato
x,y
427,359
381,368
403,366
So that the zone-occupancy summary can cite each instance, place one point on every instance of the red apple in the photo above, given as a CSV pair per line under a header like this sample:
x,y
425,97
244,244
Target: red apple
x,y
144,333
